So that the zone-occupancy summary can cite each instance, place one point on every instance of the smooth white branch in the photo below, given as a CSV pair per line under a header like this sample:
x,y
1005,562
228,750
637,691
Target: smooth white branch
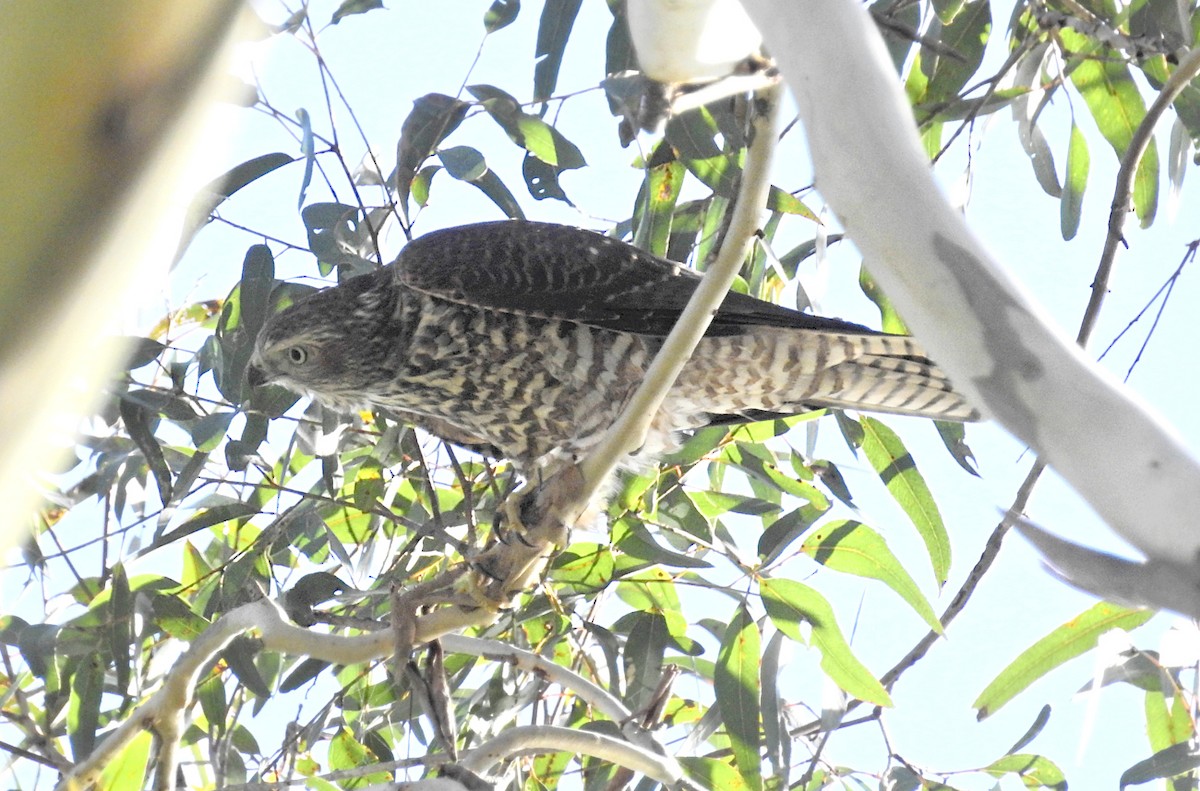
x,y
163,712
997,346
553,738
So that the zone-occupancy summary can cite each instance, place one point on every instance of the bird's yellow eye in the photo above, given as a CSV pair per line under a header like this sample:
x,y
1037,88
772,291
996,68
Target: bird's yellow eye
x,y
298,355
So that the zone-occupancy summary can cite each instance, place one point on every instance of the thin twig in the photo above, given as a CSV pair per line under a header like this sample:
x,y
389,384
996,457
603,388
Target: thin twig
x,y
1184,73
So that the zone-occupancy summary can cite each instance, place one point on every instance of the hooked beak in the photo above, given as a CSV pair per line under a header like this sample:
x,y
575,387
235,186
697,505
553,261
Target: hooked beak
x,y
255,376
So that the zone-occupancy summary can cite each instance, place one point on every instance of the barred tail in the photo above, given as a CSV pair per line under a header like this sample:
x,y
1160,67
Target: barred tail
x,y
880,373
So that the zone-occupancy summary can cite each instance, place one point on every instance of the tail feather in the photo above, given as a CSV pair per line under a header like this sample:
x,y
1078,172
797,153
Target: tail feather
x,y
774,371
891,374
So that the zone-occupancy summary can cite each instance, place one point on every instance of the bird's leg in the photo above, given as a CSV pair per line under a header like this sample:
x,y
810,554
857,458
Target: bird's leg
x,y
538,517
510,520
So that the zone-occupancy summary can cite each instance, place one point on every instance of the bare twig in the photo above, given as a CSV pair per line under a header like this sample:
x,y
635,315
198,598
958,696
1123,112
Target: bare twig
x,y
1184,73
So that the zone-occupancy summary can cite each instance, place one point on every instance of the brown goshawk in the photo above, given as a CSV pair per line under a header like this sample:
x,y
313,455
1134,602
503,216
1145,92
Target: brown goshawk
x,y
531,338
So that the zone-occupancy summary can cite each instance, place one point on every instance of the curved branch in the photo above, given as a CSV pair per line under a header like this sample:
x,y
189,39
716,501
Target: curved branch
x,y
629,432
163,712
1184,73
593,694
553,738
979,325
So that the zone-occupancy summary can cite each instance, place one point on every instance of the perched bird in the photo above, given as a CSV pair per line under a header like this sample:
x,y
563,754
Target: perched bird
x,y
531,337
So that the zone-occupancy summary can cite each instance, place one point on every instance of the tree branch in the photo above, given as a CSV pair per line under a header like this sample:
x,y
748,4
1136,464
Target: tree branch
x,y
1184,73
552,738
975,321
629,432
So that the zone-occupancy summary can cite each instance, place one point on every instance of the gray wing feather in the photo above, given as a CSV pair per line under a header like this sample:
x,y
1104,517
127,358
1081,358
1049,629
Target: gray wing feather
x,y
560,272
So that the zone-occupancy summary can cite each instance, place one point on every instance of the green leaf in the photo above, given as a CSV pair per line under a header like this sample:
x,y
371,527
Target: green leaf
x,y
967,36
712,773
548,144
175,618
528,131
422,183
127,771
1078,163
467,164
791,603
83,713
211,695
716,504
500,15
1178,157
656,200
947,9
1037,148
434,116
719,173
308,151
304,672
653,591
887,313
906,16
208,431
896,467
491,185
463,162
1035,771
120,630
643,656
585,566
1171,762
219,190
137,423
634,540
239,655
854,548
554,28
954,437
787,203
776,736
142,351
368,484
542,180
162,403
346,752
206,518
737,691
1075,637
1167,725
242,317
1032,732
916,85
354,7
901,778
1118,108
338,235
694,136
784,530
37,643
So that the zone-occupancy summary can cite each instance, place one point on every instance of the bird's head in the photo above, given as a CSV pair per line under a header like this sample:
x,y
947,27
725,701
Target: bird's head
x,y
321,345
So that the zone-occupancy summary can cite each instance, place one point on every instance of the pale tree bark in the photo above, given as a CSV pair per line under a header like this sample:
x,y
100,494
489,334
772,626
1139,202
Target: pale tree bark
x,y
996,344
103,111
